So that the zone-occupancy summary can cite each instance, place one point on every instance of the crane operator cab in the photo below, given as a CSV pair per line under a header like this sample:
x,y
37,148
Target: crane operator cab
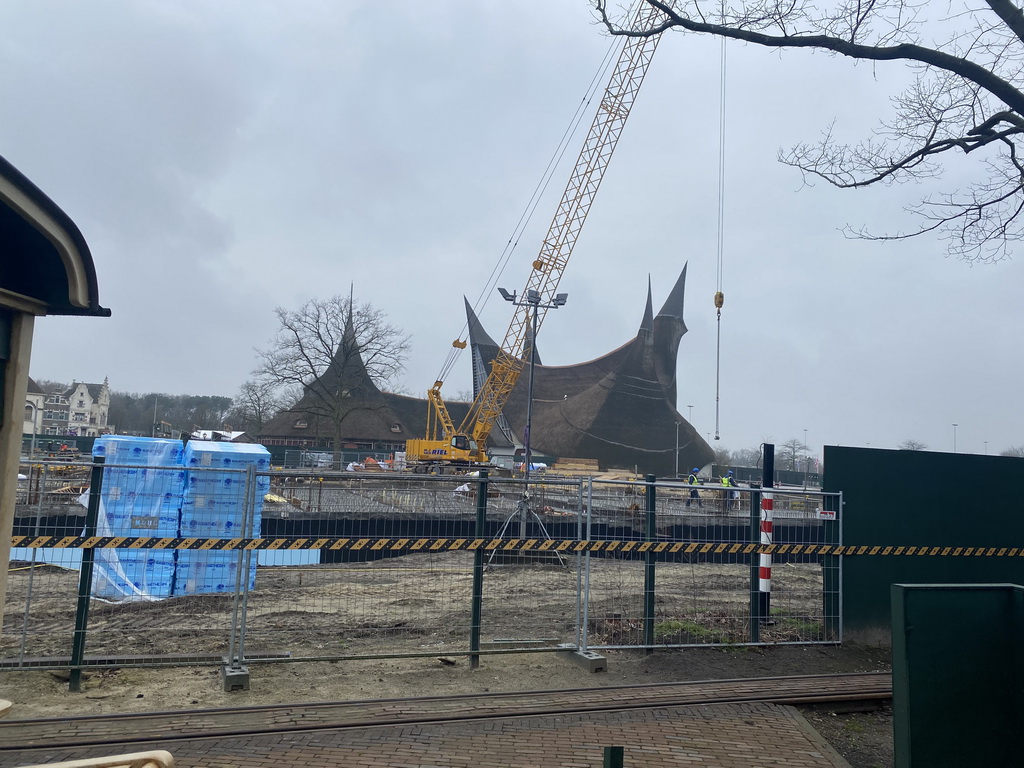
x,y
462,443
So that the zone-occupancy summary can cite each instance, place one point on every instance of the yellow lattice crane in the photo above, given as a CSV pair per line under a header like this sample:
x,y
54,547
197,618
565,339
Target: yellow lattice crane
x,y
444,442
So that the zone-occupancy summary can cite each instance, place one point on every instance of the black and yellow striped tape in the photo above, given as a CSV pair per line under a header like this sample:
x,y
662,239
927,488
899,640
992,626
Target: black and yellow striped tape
x,y
466,544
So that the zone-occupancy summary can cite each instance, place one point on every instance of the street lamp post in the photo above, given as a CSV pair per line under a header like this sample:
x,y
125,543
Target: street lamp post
x,y
690,417
954,437
806,459
677,449
532,300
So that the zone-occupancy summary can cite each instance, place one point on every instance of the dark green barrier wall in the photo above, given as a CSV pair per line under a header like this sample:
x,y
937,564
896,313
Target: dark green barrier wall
x,y
920,498
957,698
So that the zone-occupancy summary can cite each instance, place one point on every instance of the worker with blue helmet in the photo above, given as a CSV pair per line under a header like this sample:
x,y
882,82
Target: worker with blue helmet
x,y
693,480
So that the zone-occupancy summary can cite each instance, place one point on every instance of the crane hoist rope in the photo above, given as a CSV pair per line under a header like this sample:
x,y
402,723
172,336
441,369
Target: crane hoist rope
x,y
719,295
443,442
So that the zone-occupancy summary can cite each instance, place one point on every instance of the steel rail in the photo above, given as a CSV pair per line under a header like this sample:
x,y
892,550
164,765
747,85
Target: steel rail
x,y
136,729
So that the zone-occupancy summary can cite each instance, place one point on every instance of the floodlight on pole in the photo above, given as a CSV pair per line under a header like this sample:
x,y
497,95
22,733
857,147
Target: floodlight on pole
x,y
531,299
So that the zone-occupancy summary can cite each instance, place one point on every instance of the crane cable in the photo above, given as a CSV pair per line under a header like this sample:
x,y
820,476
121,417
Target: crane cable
x,y
719,296
593,91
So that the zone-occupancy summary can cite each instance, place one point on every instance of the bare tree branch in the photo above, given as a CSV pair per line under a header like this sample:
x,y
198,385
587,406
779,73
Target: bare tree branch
x,y
966,98
337,354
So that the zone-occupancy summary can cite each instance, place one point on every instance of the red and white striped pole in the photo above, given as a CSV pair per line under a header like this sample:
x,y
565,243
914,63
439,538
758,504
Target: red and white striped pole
x,y
764,564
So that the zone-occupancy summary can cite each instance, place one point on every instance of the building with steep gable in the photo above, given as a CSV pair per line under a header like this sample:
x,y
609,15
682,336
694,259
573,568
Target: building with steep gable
x,y
619,409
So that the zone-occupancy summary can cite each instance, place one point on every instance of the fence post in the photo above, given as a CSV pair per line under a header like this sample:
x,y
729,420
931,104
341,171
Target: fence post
x,y
613,757
649,567
583,598
478,572
832,569
767,535
85,577
234,674
755,537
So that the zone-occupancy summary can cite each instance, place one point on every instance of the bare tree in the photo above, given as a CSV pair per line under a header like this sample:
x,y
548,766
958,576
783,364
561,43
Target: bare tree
x,y
1017,450
337,352
746,457
966,98
256,402
723,458
790,452
913,445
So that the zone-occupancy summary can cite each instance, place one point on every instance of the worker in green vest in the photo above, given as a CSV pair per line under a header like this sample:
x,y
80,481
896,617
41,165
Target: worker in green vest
x,y
693,480
730,496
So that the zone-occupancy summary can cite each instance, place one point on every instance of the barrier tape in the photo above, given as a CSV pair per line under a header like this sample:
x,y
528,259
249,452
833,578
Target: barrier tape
x,y
489,545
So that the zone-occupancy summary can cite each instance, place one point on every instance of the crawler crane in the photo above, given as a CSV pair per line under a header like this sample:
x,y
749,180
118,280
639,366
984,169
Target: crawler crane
x,y
466,444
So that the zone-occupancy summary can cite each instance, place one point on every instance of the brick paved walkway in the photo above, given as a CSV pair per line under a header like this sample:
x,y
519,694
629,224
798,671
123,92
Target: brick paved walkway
x,y
722,735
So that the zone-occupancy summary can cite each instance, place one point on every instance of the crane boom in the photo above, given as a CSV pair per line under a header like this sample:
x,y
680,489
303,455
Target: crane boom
x,y
571,214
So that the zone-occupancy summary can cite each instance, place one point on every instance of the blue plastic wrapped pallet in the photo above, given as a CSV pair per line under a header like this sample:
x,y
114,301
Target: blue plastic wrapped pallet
x,y
214,506
204,573
143,484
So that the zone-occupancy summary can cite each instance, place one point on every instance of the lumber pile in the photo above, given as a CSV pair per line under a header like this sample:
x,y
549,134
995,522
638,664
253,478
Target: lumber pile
x,y
575,467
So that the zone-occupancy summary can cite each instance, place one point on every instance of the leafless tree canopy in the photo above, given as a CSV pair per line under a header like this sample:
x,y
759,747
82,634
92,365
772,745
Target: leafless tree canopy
x,y
965,98
913,445
328,351
790,453
256,402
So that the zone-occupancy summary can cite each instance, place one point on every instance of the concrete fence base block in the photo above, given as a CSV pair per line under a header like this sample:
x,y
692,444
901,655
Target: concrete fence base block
x,y
235,677
590,661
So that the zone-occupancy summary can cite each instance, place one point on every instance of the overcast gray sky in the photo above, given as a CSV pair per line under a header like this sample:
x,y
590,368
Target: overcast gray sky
x,y
223,158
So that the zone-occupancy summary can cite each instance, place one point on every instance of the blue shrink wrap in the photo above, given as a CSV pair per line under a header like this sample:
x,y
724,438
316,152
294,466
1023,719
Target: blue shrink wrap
x,y
127,575
203,573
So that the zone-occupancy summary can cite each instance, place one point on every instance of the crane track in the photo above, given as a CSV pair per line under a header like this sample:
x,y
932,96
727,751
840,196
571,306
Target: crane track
x,y
142,730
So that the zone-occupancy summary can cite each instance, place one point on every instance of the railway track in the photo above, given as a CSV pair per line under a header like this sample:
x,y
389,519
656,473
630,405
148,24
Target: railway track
x,y
136,732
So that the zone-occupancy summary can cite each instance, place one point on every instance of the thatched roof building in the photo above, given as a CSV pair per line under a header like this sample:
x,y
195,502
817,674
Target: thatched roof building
x,y
619,408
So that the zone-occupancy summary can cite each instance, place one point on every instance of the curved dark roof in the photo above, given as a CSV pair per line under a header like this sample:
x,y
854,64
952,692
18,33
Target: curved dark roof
x,y
619,408
45,257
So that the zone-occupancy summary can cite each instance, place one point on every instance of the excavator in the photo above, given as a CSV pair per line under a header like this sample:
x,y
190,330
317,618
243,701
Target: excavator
x,y
465,445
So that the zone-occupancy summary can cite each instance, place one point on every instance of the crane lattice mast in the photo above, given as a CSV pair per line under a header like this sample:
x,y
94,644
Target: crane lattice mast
x,y
587,174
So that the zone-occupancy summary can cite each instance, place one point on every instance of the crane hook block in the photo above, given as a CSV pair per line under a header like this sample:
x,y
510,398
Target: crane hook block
x,y
719,299
459,344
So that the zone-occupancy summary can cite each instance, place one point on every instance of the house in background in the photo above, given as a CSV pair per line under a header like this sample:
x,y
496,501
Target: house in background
x,y
35,399
81,410
87,409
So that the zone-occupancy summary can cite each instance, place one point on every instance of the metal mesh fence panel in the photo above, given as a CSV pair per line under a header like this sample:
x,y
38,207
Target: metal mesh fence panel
x,y
377,584
698,578
39,611
207,563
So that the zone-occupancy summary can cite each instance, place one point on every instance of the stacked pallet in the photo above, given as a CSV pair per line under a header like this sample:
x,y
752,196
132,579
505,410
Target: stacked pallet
x,y
576,467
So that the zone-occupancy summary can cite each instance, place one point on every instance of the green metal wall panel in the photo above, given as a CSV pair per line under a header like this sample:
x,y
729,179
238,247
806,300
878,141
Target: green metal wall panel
x,y
957,682
922,498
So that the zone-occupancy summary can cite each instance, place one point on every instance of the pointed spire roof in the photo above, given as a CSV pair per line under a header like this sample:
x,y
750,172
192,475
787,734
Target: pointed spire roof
x,y
647,324
673,306
477,334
